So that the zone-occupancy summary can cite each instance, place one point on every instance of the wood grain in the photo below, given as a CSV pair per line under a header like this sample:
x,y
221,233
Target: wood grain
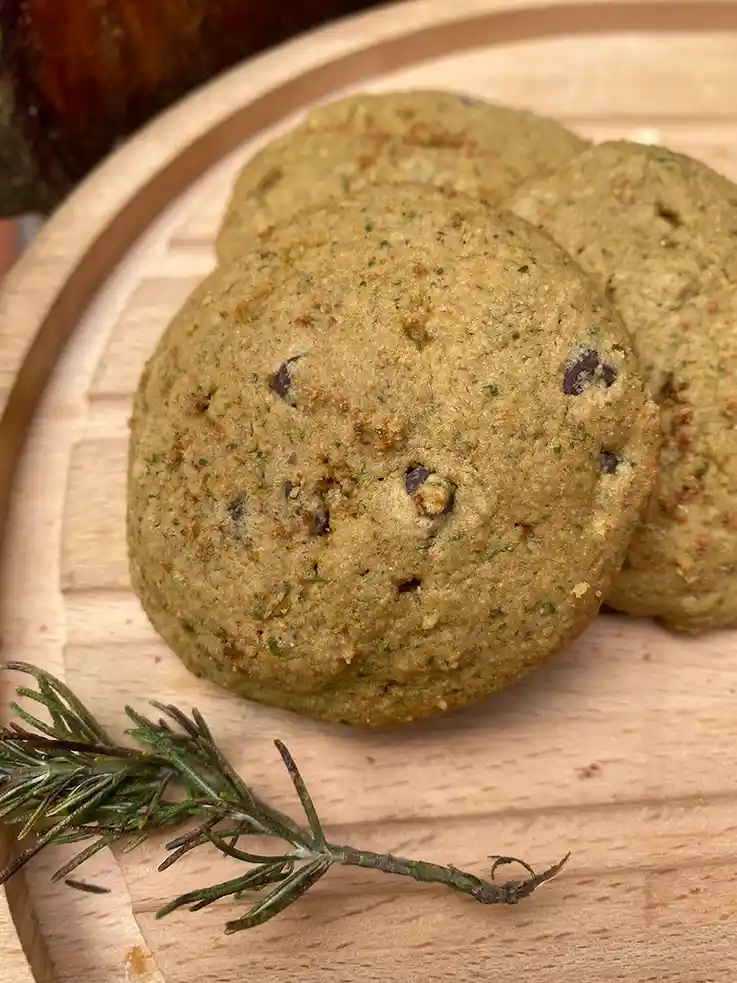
x,y
623,749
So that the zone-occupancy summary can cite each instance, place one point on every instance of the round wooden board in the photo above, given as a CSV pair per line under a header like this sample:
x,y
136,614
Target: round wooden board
x,y
624,749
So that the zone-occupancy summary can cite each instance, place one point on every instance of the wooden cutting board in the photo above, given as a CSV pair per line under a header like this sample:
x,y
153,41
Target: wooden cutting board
x,y
624,749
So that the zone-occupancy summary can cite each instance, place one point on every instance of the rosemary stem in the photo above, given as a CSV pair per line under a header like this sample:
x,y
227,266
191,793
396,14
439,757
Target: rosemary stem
x,y
66,781
419,870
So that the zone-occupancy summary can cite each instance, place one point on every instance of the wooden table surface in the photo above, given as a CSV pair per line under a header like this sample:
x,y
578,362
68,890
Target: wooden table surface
x,y
623,749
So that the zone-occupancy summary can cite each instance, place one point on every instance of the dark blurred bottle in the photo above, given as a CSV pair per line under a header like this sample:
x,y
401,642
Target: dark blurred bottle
x,y
78,75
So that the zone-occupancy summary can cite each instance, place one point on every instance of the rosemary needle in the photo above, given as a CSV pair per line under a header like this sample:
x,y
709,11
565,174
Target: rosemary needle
x,y
85,887
66,781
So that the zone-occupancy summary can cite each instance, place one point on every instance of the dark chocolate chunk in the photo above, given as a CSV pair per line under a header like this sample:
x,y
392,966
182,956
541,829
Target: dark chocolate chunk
x,y
281,381
588,368
405,586
608,374
414,477
319,524
608,462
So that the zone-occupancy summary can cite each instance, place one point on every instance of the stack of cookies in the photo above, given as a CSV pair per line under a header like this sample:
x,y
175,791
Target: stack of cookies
x,y
459,379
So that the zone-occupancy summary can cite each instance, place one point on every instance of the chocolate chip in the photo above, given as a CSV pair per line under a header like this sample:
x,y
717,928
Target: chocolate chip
x,y
413,584
237,508
608,462
587,369
414,477
608,374
319,522
281,381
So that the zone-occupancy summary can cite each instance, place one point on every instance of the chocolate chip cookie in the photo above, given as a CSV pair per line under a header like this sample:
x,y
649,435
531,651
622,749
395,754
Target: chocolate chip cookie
x,y
382,470
529,143
436,138
658,230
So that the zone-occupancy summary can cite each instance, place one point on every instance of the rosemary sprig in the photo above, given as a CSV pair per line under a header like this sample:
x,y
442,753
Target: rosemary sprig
x,y
66,781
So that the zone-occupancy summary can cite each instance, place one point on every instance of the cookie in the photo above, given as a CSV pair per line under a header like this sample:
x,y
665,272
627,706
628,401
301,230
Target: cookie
x,y
328,450
307,169
658,231
528,143
437,138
